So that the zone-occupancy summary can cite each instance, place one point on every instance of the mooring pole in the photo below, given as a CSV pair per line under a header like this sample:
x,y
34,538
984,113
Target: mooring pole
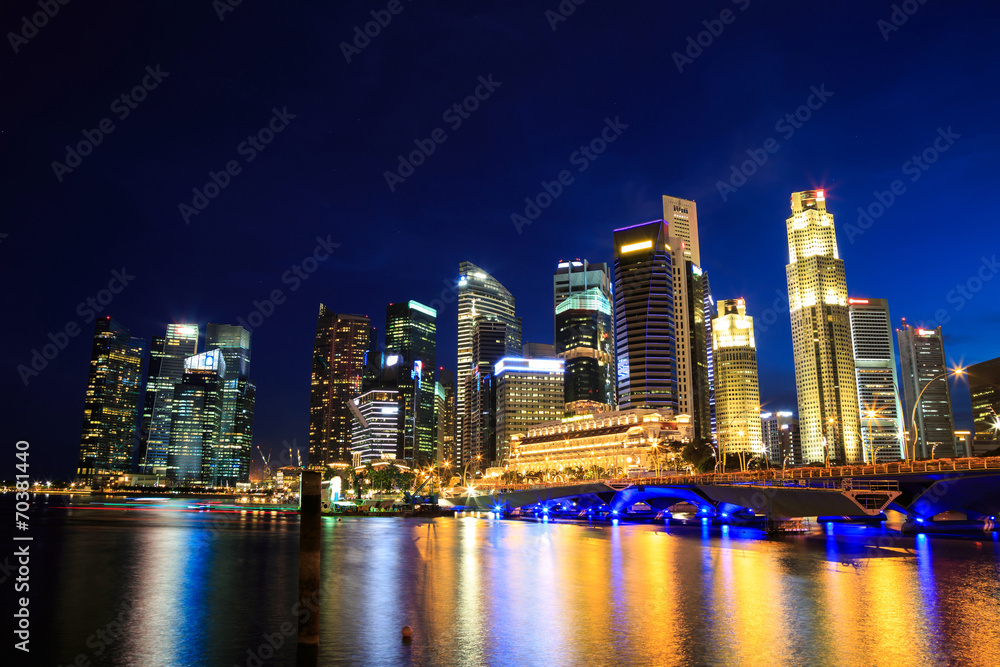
x,y
309,572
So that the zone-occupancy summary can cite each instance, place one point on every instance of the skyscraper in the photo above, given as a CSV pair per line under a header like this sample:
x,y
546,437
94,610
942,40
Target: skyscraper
x,y
578,276
377,425
529,392
489,345
644,318
681,216
411,333
737,391
339,349
111,406
708,310
924,369
480,297
196,419
780,432
984,389
180,343
230,464
821,334
444,416
585,341
875,369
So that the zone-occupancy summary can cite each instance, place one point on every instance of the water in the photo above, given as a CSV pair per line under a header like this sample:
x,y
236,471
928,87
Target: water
x,y
205,589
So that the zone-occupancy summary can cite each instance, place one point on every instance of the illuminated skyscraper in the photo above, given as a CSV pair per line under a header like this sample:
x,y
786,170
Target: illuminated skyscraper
x,y
338,361
489,345
737,392
231,459
444,416
875,373
585,341
924,374
708,309
196,419
821,334
377,425
578,276
111,406
480,297
681,216
644,318
411,333
180,343
780,432
984,389
529,392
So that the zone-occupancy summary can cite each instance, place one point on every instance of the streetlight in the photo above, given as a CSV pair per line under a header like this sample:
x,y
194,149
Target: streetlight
x,y
956,372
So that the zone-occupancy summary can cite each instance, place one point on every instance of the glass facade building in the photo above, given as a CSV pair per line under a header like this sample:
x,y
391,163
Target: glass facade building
x,y
339,349
644,318
924,373
585,341
180,343
231,457
111,406
196,419
411,334
737,389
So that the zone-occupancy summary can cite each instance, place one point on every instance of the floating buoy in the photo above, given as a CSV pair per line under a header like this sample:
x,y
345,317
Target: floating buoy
x,y
407,631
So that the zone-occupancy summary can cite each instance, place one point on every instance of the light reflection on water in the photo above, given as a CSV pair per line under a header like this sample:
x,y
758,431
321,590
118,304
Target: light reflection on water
x,y
488,591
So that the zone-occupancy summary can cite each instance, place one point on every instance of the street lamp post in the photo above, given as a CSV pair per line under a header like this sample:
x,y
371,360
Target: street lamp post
x,y
957,372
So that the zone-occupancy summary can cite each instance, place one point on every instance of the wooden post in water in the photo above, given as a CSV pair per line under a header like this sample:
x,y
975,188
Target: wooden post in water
x,y
309,571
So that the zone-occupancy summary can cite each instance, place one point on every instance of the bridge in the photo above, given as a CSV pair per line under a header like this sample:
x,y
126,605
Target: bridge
x,y
921,490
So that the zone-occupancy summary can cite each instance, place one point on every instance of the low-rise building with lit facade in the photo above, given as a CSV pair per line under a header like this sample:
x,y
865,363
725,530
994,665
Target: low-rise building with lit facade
x,y
528,392
628,440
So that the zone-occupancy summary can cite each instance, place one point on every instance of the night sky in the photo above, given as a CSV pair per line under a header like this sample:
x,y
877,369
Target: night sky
x,y
548,84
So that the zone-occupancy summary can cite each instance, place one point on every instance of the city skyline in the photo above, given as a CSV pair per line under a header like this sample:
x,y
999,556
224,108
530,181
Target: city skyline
x,y
303,250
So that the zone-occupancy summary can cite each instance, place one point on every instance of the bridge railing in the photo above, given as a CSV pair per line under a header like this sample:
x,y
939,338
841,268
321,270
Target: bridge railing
x,y
772,476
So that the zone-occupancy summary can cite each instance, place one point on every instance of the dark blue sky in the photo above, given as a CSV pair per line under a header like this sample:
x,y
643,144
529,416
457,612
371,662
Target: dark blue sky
x,y
323,175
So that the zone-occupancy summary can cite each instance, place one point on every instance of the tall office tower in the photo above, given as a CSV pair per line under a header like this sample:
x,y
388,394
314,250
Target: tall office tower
x,y
338,362
922,362
411,333
737,392
376,425
480,297
708,311
681,215
196,418
692,346
984,389
644,318
585,341
444,416
231,462
489,345
529,392
111,406
821,334
875,374
780,434
149,400
578,276
180,343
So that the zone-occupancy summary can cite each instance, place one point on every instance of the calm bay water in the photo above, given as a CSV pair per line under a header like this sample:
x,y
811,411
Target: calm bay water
x,y
205,589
